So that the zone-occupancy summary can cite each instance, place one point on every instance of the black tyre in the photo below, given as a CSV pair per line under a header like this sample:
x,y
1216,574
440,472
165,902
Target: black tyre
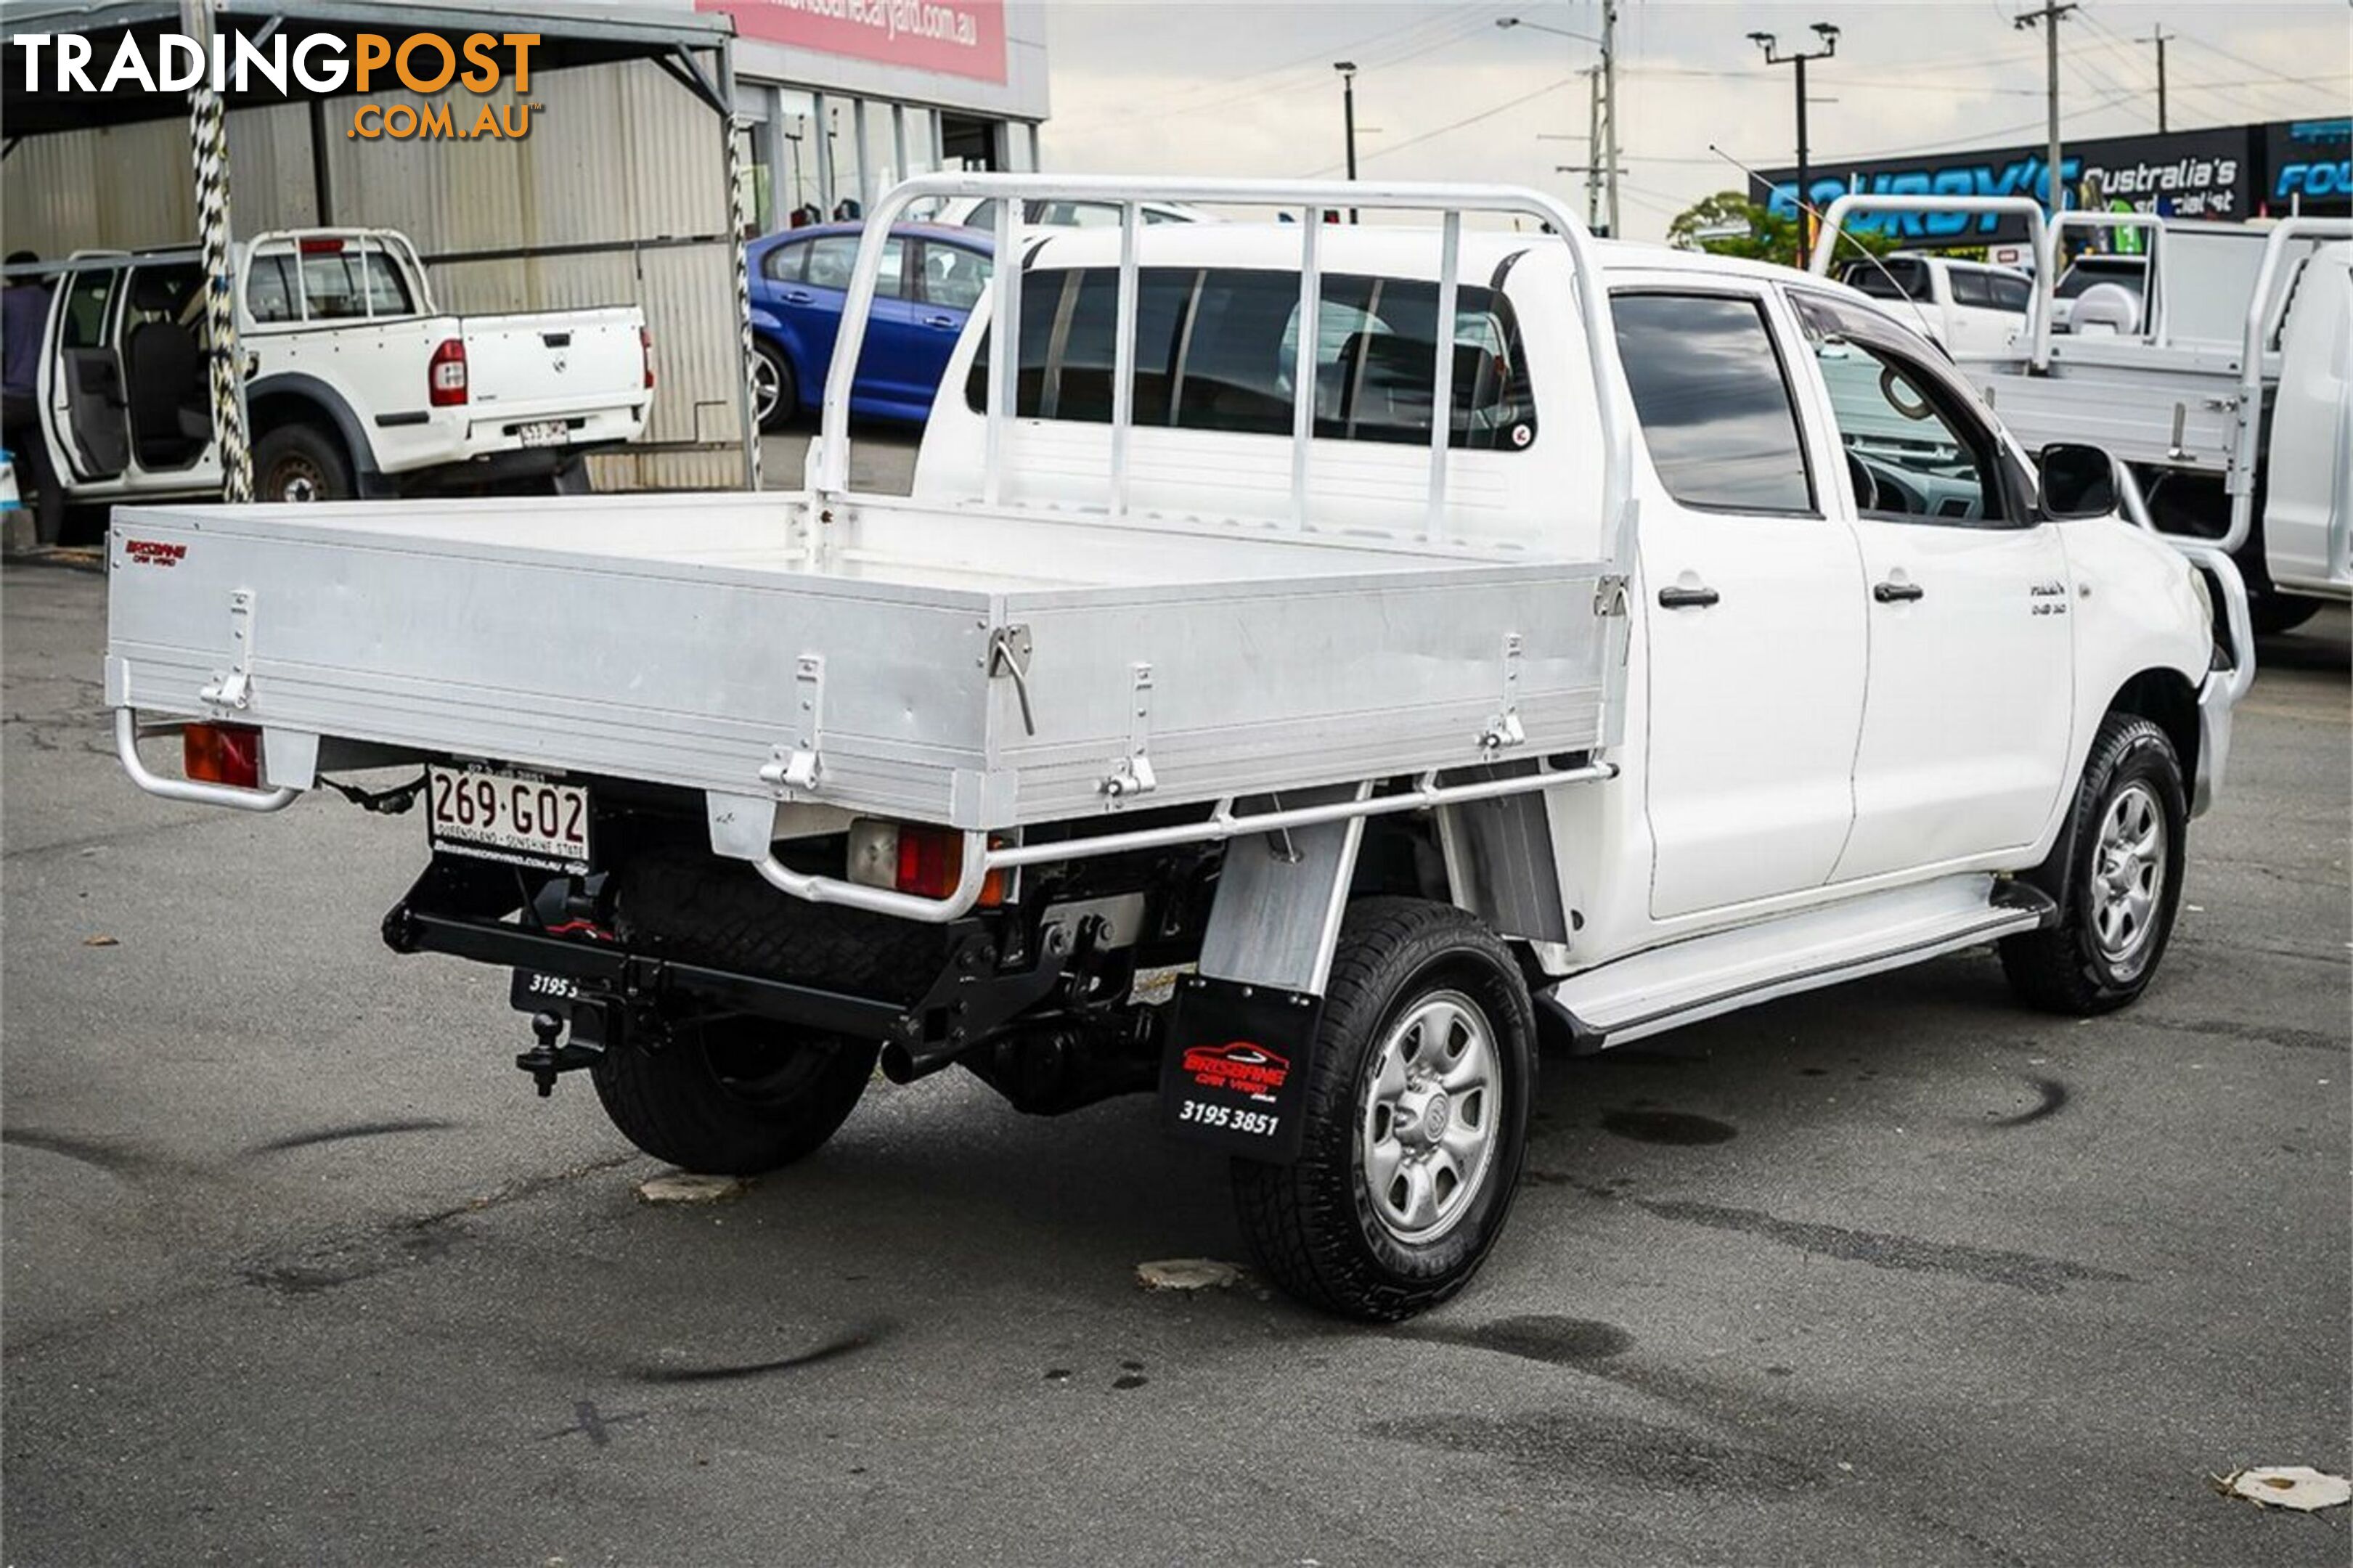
x,y
2127,836
2273,612
736,1096
733,1097
300,463
1416,1119
776,395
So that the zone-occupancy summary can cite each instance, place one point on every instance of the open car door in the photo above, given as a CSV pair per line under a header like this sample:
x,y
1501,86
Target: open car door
x,y
88,410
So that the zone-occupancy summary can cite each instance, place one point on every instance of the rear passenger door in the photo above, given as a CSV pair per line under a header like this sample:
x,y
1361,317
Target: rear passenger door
x,y
890,367
1752,604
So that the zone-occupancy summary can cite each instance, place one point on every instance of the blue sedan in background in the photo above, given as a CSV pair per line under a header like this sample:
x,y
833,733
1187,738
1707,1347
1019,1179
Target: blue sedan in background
x,y
932,278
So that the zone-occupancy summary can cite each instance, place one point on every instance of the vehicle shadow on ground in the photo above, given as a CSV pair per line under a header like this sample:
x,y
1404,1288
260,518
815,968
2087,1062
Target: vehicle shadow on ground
x,y
938,1193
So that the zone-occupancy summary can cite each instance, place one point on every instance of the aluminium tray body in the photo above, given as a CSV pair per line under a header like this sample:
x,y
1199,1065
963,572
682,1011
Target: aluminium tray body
x,y
697,640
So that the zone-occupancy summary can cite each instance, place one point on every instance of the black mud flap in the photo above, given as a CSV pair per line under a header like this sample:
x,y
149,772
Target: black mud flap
x,y
1234,1071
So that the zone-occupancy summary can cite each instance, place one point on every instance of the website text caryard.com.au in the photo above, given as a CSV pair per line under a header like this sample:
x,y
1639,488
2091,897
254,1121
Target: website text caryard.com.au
x,y
421,63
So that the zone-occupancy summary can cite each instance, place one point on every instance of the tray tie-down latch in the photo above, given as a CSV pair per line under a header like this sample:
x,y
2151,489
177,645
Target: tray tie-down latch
x,y
1505,729
1008,654
795,769
1132,775
234,688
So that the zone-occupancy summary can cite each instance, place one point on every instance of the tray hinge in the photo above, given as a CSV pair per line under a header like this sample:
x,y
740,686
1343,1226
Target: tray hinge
x,y
1008,654
1609,594
235,689
1506,728
1133,775
795,769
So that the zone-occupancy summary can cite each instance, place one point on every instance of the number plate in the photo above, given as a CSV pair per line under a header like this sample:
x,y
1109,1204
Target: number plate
x,y
546,433
513,817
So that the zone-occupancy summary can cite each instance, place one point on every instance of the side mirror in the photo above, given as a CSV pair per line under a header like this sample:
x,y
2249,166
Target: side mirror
x,y
2077,481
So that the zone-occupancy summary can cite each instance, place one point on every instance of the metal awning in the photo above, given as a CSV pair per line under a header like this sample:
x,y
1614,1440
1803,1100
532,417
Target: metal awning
x,y
569,36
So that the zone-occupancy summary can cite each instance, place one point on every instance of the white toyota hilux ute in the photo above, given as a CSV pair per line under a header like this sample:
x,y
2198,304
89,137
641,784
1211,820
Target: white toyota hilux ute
x,y
1212,721
354,384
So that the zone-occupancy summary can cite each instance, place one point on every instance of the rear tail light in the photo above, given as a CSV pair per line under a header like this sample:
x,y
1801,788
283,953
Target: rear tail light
x,y
911,857
222,754
322,245
445,375
646,351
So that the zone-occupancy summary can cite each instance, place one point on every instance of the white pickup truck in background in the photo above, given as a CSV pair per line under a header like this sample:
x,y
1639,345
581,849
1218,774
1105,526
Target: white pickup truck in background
x,y
1313,662
1969,307
355,385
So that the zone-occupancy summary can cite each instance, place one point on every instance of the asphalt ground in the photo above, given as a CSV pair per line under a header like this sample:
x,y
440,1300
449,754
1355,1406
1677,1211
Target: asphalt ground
x,y
298,1270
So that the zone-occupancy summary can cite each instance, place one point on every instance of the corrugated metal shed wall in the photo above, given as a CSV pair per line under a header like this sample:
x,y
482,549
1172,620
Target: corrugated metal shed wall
x,y
617,152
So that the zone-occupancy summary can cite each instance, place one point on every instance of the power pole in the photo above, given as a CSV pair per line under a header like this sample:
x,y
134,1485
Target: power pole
x,y
1592,146
1347,69
2049,17
2158,35
1610,96
1773,56
1601,106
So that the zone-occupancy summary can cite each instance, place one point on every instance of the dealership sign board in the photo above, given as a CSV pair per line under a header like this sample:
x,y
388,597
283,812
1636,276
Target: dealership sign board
x,y
2227,174
952,37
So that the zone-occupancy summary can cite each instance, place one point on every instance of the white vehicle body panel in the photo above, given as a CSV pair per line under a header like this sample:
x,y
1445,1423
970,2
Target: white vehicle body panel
x,y
2307,540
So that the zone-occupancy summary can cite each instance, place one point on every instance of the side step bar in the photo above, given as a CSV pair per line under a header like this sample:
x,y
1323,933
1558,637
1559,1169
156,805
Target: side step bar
x,y
1698,978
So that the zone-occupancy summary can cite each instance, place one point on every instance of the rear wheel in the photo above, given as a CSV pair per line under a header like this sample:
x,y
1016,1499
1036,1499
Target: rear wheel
x,y
738,1095
2125,837
776,397
733,1097
300,463
1418,1109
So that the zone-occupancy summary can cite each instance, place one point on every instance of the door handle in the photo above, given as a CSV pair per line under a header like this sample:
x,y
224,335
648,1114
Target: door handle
x,y
798,296
1897,593
1674,598
939,321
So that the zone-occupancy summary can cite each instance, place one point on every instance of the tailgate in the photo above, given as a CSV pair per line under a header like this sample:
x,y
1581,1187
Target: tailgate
x,y
553,363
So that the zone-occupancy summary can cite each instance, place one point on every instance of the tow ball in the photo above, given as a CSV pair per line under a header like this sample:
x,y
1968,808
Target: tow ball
x,y
547,1058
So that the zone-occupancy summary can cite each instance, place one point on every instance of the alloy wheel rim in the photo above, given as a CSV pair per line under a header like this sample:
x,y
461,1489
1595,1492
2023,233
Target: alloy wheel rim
x,y
298,482
767,384
2128,866
1432,1106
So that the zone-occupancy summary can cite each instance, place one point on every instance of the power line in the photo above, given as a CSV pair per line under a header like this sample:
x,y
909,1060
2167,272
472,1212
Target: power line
x,y
1450,28
1468,120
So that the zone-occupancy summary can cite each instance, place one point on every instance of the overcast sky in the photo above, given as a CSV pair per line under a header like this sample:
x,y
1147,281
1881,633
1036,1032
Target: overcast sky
x,y
1442,93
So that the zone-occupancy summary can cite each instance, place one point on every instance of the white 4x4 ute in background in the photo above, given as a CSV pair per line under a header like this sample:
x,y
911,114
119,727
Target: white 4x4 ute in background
x,y
1314,662
355,384
1967,307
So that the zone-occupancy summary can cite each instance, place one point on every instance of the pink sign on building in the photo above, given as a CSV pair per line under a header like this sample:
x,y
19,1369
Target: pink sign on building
x,y
956,38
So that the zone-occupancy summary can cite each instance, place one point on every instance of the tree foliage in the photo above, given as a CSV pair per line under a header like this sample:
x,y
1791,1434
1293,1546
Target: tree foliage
x,y
1765,236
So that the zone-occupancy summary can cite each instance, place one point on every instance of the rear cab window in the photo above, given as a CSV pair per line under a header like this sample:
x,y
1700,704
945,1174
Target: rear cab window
x,y
1217,349
327,280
